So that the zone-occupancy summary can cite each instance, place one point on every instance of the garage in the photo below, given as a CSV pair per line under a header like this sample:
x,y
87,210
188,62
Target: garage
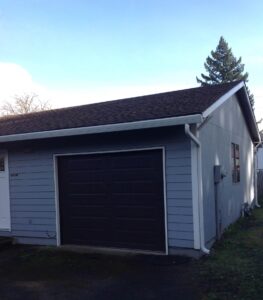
x,y
113,199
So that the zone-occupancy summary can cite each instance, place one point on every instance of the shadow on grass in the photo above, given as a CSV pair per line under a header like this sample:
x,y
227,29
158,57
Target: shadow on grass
x,y
234,270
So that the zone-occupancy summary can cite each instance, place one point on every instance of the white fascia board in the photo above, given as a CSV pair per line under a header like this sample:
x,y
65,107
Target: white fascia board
x,y
253,116
190,119
222,99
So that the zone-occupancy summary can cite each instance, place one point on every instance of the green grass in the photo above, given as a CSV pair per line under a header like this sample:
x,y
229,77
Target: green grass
x,y
234,270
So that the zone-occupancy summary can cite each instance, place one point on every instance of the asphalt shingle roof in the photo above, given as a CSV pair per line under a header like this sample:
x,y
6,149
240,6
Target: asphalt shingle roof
x,y
157,106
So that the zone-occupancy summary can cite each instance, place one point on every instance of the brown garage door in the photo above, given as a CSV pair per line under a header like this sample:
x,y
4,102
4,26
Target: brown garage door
x,y
112,200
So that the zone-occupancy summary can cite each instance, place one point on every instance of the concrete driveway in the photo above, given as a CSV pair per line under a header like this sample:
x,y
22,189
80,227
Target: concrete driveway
x,y
28,272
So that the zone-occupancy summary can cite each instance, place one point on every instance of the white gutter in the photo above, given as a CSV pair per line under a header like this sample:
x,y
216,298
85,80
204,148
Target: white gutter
x,y
197,143
190,119
256,173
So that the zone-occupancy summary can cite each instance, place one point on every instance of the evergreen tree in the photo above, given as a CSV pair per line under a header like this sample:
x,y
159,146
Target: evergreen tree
x,y
222,66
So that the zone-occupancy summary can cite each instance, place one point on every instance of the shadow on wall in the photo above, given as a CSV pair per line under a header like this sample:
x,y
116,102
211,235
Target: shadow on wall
x,y
260,183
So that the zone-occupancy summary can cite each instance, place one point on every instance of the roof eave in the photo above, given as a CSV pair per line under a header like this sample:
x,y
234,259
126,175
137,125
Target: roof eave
x,y
144,124
245,102
246,107
222,99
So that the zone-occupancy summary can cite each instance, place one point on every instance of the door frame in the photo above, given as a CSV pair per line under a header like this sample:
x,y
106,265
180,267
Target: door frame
x,y
5,153
55,165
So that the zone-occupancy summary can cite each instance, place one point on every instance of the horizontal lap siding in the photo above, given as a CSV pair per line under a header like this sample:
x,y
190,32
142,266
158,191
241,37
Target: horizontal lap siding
x,y
32,187
32,194
179,193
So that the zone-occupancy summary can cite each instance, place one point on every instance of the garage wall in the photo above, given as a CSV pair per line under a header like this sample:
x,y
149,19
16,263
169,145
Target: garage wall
x,y
225,126
32,180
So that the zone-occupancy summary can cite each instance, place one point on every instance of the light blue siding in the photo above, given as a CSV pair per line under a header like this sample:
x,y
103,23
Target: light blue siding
x,y
32,188
225,126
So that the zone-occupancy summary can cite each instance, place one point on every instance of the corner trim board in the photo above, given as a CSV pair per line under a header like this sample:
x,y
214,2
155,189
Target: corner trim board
x,y
195,191
6,202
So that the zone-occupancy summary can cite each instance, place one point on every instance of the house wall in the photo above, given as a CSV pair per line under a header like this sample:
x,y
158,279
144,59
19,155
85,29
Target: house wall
x,y
32,189
226,125
260,158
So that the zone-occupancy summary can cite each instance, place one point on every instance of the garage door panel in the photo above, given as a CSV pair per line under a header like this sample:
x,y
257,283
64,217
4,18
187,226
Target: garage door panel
x,y
140,199
89,233
91,237
80,163
90,222
84,176
138,162
133,187
135,212
135,174
134,236
88,199
90,211
91,188
113,200
137,224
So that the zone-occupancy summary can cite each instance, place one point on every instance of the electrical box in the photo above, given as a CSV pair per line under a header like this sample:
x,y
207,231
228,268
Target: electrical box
x,y
217,174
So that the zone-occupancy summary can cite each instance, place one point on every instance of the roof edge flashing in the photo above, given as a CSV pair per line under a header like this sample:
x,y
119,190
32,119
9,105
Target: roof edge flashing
x,y
257,136
240,87
222,99
144,124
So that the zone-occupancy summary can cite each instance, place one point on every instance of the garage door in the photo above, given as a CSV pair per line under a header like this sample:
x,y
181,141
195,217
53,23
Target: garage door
x,y
112,200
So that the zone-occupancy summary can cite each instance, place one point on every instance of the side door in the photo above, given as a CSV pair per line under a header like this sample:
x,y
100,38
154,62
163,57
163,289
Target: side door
x,y
5,217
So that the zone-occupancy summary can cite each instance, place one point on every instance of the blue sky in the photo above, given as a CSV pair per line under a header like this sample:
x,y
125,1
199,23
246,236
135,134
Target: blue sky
x,y
106,49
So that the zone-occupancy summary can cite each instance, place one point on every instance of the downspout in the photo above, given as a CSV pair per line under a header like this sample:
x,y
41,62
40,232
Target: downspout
x,y
197,143
256,173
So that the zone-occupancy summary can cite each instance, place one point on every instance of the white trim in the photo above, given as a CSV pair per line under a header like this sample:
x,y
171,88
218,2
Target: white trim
x,y
55,174
197,118
201,197
165,202
109,151
222,99
85,248
55,156
199,178
195,192
6,174
253,115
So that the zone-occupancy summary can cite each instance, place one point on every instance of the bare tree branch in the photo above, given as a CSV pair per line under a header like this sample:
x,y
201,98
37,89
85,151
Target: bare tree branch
x,y
24,104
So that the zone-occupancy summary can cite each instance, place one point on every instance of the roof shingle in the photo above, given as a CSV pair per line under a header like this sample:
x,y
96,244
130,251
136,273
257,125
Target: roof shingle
x,y
157,106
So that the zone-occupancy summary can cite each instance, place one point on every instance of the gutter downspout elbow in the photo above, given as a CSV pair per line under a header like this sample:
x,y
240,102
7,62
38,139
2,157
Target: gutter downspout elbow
x,y
197,143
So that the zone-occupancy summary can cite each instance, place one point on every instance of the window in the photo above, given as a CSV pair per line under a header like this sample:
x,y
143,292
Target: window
x,y
2,163
235,163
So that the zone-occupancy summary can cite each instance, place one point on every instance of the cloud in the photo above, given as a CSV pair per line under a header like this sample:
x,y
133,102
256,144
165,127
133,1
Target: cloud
x,y
16,80
69,97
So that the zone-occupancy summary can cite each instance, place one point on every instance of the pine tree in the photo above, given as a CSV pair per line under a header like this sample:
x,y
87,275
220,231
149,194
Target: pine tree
x,y
222,66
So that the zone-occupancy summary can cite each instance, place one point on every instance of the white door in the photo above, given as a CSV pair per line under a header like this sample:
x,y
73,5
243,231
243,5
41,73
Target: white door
x,y
5,223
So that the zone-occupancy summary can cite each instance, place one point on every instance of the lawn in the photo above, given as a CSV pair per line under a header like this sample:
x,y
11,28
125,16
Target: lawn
x,y
234,270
